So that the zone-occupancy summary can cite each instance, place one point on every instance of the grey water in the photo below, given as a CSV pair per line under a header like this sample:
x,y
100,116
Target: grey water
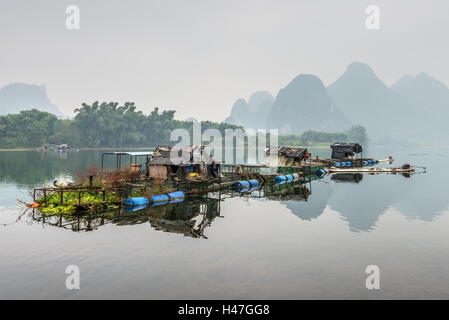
x,y
311,241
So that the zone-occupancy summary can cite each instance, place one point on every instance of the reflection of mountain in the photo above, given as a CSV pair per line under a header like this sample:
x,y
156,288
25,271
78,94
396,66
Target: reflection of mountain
x,y
363,201
315,204
358,203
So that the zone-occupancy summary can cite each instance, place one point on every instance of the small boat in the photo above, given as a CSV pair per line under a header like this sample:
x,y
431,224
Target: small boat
x,y
403,169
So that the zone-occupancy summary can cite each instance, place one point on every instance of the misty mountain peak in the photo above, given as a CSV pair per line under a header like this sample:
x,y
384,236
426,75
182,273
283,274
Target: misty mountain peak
x,y
305,105
16,97
309,80
257,99
359,70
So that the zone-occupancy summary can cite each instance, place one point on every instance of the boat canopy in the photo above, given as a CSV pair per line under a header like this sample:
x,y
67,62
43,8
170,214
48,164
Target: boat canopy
x,y
137,153
344,150
120,154
197,154
289,152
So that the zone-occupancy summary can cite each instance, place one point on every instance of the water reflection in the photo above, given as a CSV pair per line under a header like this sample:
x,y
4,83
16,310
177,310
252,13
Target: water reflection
x,y
189,218
359,199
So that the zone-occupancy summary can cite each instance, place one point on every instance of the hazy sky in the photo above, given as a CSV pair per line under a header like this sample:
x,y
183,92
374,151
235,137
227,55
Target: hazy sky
x,y
199,56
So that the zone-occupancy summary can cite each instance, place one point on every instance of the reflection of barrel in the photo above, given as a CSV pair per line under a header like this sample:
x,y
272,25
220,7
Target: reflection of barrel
x,y
295,176
138,201
130,209
289,177
253,182
176,200
241,184
160,203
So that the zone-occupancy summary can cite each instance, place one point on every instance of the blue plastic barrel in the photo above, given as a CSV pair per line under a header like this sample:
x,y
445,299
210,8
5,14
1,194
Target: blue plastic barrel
x,y
280,179
289,177
348,163
241,190
320,173
241,184
159,198
135,201
253,182
342,164
376,161
176,195
370,163
337,164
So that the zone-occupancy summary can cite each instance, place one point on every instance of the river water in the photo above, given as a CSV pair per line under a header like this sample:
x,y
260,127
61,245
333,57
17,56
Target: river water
x,y
298,242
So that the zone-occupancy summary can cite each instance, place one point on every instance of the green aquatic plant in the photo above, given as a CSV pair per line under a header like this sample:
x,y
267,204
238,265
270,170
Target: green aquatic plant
x,y
73,201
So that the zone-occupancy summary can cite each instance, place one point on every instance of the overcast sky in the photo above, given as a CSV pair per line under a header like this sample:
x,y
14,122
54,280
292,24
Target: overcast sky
x,y
199,56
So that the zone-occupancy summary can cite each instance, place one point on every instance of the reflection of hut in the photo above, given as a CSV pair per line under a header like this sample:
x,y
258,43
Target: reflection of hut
x,y
182,162
342,151
55,147
287,191
181,218
285,156
347,177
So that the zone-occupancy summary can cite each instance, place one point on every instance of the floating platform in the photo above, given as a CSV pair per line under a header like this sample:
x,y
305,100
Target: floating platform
x,y
372,170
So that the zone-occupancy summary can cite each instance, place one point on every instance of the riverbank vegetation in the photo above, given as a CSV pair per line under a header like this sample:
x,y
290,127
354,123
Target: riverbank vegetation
x,y
97,125
309,138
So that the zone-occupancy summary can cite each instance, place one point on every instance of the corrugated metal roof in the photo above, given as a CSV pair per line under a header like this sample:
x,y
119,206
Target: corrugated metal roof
x,y
136,153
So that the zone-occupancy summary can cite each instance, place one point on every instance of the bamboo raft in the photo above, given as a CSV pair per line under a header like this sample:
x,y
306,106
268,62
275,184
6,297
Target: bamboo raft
x,y
143,186
371,170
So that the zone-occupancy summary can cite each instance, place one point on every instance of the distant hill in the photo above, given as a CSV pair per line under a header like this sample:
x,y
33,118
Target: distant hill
x,y
411,110
252,114
367,100
415,109
431,96
16,97
305,105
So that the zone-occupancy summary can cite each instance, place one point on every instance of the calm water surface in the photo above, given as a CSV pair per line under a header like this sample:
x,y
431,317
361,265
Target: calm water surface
x,y
311,241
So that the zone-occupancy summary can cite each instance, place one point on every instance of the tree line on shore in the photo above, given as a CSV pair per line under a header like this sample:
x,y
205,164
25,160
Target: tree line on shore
x,y
356,133
96,125
113,125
